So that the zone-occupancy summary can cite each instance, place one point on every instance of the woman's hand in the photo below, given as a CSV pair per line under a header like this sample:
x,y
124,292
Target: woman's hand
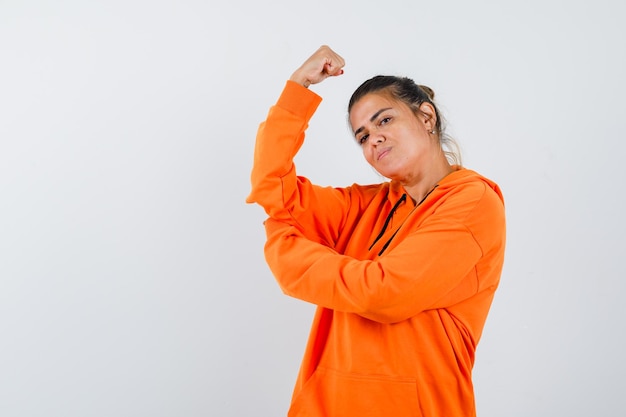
x,y
322,64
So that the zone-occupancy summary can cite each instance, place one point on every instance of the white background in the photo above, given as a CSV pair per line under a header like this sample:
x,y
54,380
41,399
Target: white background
x,y
132,279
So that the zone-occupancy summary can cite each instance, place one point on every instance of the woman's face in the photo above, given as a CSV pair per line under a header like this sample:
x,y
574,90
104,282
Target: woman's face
x,y
395,141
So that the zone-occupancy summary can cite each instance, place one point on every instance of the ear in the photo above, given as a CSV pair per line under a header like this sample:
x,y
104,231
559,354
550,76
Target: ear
x,y
429,116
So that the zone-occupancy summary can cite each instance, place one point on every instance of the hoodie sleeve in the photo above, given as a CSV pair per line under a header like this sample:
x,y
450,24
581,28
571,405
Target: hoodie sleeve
x,y
275,184
433,267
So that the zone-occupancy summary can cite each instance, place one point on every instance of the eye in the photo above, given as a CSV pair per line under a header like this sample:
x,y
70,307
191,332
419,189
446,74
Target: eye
x,y
384,121
362,139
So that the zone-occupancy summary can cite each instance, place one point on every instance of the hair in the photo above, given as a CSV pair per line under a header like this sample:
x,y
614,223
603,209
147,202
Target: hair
x,y
405,90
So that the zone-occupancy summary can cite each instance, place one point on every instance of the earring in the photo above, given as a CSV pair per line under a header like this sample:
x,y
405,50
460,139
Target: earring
x,y
432,132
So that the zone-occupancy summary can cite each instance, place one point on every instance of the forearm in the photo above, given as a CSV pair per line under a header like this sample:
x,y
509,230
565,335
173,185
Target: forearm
x,y
393,288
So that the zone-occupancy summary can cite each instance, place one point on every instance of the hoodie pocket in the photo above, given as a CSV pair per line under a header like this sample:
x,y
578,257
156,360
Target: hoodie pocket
x,y
331,393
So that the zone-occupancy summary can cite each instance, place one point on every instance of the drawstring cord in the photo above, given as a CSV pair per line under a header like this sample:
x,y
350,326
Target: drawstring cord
x,y
395,207
389,216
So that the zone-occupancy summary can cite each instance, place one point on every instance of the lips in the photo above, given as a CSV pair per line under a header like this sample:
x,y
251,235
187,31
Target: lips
x,y
383,152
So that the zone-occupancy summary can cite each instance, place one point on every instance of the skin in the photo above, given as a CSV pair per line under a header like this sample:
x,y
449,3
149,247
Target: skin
x,y
322,64
395,141
398,144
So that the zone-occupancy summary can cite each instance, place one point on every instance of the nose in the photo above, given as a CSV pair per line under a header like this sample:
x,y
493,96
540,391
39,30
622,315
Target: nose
x,y
376,138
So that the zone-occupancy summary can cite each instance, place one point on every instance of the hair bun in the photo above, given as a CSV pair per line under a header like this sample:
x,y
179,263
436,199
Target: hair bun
x,y
429,91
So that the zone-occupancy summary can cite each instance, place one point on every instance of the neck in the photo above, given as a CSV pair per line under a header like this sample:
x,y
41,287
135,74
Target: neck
x,y
424,185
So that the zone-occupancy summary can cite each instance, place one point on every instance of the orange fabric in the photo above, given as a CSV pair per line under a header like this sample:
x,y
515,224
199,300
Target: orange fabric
x,y
394,333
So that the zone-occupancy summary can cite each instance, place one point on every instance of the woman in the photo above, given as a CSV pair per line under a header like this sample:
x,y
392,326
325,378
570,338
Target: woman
x,y
403,272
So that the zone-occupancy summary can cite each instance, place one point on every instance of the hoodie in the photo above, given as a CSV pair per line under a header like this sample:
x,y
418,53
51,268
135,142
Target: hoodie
x,y
402,288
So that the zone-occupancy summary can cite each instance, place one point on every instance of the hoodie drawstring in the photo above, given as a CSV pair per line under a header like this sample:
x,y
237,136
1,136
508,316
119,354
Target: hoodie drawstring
x,y
395,207
389,216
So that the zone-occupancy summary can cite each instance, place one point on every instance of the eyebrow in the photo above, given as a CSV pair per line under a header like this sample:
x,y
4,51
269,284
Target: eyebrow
x,y
374,116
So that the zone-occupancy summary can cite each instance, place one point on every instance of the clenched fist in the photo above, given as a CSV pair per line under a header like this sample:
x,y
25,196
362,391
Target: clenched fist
x,y
322,64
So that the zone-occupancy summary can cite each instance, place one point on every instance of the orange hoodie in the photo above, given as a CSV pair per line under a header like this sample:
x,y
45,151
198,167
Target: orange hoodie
x,y
402,289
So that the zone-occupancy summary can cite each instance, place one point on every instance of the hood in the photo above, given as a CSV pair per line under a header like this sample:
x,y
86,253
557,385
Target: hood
x,y
462,175
456,178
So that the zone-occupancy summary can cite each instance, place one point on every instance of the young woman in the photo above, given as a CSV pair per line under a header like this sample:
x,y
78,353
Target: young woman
x,y
403,272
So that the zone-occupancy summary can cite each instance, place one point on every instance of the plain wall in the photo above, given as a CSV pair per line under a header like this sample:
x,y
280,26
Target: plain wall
x,y
132,278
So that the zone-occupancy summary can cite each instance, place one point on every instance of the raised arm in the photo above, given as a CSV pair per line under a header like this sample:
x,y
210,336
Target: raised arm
x,y
275,185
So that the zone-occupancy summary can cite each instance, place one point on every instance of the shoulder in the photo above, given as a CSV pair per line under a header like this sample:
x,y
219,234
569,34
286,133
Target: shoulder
x,y
471,186
382,191
471,199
